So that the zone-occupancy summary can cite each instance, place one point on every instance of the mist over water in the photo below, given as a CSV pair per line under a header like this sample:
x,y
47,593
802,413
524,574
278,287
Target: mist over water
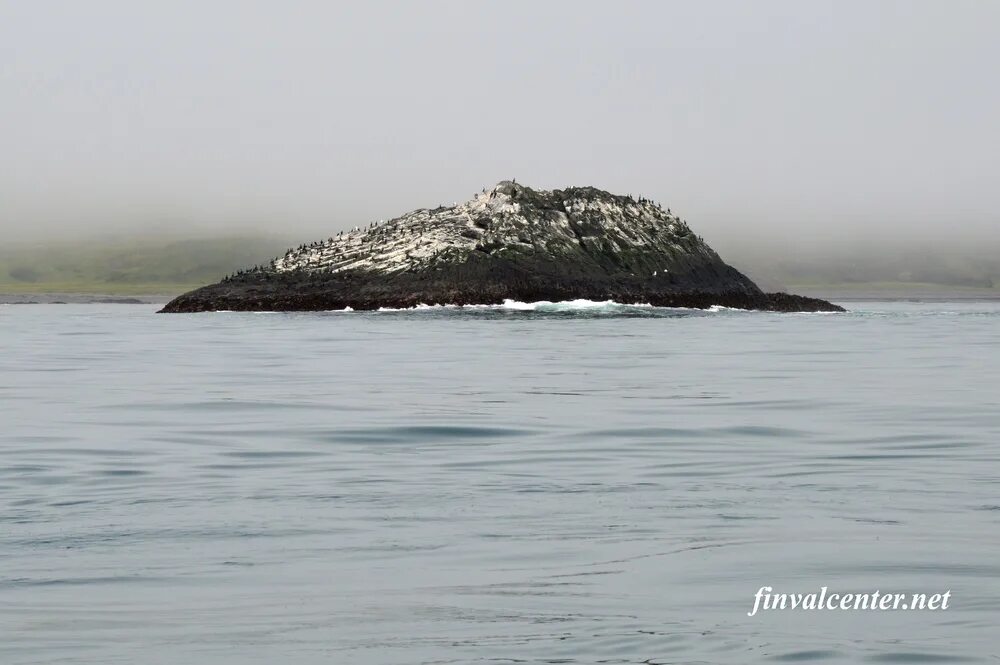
x,y
555,483
802,124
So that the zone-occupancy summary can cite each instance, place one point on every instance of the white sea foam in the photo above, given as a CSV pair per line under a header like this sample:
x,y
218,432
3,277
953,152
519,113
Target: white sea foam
x,y
548,306
580,304
568,305
846,311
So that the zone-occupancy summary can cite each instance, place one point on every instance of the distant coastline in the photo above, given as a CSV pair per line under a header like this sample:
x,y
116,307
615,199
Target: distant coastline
x,y
854,293
862,291
155,270
153,293
54,298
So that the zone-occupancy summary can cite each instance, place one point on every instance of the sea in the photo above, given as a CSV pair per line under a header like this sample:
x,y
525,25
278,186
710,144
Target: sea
x,y
530,483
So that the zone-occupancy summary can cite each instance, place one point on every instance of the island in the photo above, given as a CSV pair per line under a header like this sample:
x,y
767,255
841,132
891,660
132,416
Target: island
x,y
509,242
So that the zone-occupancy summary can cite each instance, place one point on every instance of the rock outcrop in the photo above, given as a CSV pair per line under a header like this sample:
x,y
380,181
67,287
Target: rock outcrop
x,y
509,242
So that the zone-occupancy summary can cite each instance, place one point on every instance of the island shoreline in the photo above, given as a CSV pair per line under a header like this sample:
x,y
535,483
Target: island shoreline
x,y
511,242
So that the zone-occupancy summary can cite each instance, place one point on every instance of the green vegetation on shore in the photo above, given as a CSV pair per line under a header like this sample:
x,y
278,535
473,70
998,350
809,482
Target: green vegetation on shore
x,y
136,265
847,287
912,264
130,266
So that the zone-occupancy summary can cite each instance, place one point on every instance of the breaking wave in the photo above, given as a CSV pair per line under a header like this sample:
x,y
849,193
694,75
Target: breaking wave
x,y
578,307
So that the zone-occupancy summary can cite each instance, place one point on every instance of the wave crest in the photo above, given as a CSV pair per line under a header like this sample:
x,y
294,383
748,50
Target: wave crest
x,y
579,305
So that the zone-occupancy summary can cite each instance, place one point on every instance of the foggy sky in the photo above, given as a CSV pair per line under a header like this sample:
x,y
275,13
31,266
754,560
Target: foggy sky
x,y
798,121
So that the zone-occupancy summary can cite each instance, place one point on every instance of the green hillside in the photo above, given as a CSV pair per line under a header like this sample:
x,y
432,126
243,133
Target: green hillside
x,y
166,266
130,265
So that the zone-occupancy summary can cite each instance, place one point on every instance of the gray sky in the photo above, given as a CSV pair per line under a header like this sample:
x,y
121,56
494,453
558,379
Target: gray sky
x,y
799,120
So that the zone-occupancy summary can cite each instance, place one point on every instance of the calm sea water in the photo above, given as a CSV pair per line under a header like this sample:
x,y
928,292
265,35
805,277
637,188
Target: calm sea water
x,y
567,485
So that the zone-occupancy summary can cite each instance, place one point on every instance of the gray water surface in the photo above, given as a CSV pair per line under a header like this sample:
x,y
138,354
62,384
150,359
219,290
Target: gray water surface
x,y
445,486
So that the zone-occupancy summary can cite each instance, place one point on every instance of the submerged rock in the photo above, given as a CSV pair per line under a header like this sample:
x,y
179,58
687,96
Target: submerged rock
x,y
509,242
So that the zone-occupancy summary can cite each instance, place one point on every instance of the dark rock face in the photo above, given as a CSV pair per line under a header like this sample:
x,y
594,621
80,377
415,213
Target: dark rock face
x,y
510,242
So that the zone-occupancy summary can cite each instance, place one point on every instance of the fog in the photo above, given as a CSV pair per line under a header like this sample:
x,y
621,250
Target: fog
x,y
787,124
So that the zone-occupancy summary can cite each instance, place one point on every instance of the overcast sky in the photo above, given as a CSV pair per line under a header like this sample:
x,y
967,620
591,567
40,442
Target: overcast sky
x,y
803,119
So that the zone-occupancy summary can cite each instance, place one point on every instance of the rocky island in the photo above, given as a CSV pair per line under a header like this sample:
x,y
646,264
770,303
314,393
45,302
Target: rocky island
x,y
509,242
